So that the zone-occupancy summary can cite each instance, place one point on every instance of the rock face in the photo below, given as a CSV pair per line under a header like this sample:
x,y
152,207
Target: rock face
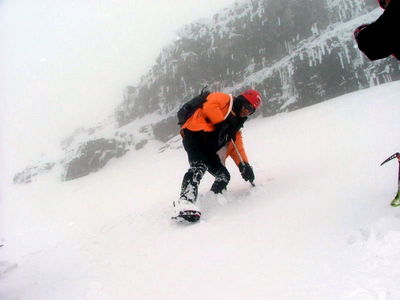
x,y
84,157
296,53
28,174
92,156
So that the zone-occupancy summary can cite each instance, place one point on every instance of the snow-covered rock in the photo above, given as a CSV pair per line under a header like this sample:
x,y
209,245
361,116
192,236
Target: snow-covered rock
x,y
296,53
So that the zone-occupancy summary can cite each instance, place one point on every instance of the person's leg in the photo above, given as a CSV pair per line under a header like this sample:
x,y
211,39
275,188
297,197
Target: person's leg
x,y
185,207
221,174
191,181
198,154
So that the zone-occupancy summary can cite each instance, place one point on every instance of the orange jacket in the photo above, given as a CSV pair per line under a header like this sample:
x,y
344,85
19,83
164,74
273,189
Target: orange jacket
x,y
239,145
214,111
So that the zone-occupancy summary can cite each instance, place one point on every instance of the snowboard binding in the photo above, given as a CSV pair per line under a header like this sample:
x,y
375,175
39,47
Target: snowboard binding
x,y
188,216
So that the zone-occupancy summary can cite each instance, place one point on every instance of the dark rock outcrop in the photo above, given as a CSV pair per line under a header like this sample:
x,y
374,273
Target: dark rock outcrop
x,y
29,173
92,156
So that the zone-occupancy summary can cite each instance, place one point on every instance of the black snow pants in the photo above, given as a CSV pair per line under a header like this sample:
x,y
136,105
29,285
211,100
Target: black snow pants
x,y
202,148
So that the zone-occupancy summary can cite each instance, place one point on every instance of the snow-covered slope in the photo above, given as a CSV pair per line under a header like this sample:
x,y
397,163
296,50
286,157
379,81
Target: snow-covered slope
x,y
318,224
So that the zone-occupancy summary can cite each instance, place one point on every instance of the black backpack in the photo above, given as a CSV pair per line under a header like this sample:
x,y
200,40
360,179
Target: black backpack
x,y
188,109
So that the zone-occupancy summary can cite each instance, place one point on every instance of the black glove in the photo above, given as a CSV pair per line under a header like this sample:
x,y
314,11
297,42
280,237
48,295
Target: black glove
x,y
247,172
230,121
358,30
226,129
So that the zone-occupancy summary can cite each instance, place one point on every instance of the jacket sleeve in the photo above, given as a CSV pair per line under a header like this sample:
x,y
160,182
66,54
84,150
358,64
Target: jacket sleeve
x,y
239,144
381,38
215,106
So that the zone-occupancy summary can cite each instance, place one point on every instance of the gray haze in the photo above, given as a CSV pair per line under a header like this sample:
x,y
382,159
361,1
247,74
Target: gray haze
x,y
64,63
295,57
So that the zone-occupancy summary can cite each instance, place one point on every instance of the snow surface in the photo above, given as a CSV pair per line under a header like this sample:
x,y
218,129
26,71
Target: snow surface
x,y
318,224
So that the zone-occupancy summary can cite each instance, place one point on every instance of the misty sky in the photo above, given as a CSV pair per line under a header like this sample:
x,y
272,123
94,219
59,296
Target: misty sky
x,y
64,63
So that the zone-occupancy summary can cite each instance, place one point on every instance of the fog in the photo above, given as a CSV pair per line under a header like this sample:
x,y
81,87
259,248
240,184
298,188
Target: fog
x,y
64,63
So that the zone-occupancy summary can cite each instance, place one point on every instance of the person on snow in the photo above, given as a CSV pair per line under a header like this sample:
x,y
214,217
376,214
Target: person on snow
x,y
209,136
381,38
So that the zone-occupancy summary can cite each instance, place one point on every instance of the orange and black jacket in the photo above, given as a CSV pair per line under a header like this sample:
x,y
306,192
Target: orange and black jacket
x,y
382,37
213,112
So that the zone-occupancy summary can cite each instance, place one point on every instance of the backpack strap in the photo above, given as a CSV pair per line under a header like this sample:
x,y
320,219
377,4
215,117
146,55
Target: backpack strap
x,y
230,106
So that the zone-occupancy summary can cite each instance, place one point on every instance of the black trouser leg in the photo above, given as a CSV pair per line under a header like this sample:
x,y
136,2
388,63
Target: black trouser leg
x,y
191,181
222,178
202,155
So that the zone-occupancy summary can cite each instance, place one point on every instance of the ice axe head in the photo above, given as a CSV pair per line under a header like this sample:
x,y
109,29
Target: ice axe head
x,y
396,155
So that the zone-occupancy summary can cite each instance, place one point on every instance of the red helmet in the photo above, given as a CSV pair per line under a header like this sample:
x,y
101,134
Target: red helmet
x,y
253,97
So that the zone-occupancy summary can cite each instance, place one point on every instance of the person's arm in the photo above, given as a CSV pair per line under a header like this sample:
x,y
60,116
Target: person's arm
x,y
239,145
381,38
213,108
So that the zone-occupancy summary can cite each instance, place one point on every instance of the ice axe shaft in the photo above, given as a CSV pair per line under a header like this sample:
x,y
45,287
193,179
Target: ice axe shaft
x,y
396,200
240,157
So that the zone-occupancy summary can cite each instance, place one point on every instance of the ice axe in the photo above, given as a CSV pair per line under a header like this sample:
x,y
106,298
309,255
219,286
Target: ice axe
x,y
396,200
240,157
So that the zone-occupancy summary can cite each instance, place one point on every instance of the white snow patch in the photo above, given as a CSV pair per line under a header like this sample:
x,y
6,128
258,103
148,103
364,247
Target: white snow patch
x,y
318,224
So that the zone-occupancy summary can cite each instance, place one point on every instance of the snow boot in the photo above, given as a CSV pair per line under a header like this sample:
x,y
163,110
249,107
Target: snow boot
x,y
185,210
